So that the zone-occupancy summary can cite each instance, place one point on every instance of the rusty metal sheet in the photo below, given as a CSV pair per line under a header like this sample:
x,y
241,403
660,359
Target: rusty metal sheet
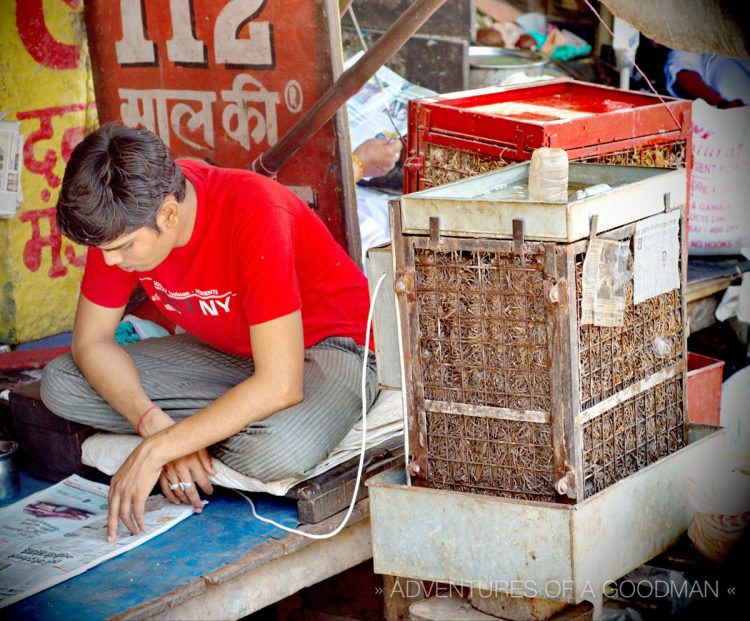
x,y
562,552
485,206
639,517
223,81
479,541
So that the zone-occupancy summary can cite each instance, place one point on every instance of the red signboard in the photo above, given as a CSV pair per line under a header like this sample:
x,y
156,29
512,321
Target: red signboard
x,y
224,80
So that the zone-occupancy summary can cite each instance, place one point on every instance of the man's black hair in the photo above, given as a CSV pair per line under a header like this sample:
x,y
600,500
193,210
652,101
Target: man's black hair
x,y
115,182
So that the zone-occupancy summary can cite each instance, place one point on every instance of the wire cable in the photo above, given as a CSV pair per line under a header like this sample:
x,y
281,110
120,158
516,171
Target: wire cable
x,y
360,468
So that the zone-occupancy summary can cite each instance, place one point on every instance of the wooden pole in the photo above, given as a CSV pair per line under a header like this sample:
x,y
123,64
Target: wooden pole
x,y
348,84
343,5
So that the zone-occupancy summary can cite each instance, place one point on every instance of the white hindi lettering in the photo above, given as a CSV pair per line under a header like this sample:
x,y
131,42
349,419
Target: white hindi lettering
x,y
139,106
242,122
205,117
149,108
237,115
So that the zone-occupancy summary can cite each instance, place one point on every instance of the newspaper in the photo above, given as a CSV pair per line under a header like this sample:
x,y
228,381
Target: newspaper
x,y
368,116
656,265
606,273
61,531
11,145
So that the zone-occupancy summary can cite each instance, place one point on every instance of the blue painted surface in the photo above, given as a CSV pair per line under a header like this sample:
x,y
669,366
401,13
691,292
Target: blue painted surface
x,y
28,485
56,340
224,532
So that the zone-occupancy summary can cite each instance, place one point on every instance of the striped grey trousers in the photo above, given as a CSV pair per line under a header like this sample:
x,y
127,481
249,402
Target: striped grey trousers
x,y
182,375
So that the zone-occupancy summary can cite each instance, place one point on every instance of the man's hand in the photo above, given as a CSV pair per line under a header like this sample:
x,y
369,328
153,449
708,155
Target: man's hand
x,y
179,478
132,483
129,488
378,156
276,384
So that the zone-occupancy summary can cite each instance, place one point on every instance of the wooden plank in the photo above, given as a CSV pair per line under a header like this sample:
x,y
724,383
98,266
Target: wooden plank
x,y
474,244
685,326
166,565
442,608
574,432
562,330
488,411
417,417
413,391
272,580
256,579
192,589
515,607
705,288
330,492
633,390
581,612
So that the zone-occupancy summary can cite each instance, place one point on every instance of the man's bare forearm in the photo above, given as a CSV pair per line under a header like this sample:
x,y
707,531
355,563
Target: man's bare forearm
x,y
252,400
112,373
276,384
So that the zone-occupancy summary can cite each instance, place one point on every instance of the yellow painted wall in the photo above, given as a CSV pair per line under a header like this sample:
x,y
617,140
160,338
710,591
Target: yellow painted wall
x,y
46,84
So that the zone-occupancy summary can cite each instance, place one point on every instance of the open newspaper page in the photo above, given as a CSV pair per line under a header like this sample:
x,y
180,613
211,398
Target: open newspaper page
x,y
367,113
11,145
60,532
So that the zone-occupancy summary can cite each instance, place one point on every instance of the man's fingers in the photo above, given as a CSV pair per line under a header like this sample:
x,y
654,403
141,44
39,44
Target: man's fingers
x,y
206,461
181,478
187,485
180,491
201,479
178,477
138,514
194,498
167,491
112,516
127,518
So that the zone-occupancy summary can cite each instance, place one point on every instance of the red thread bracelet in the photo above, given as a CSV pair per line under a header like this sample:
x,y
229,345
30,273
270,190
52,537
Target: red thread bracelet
x,y
140,420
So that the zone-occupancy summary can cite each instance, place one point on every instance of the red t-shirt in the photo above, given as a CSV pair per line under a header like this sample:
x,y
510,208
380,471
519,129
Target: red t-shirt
x,y
257,252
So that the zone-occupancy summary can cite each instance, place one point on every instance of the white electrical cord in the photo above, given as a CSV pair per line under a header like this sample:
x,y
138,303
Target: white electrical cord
x,y
341,526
